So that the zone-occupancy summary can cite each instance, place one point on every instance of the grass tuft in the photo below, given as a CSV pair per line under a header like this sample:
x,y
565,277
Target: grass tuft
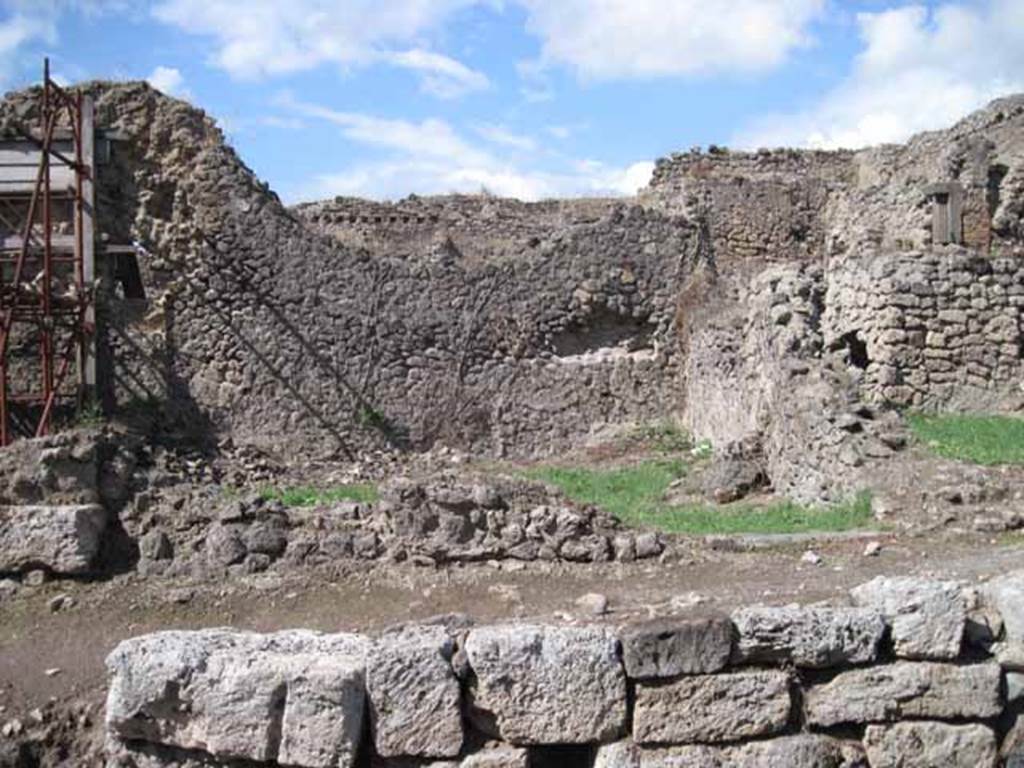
x,y
634,495
309,496
979,439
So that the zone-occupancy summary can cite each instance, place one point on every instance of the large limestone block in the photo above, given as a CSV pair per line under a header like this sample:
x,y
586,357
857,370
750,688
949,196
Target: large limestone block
x,y
618,754
415,703
930,745
292,697
691,645
546,685
711,708
807,637
498,756
927,617
1006,595
906,689
799,751
62,539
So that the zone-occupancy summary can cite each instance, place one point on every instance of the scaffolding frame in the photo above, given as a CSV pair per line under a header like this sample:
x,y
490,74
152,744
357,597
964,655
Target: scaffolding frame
x,y
63,322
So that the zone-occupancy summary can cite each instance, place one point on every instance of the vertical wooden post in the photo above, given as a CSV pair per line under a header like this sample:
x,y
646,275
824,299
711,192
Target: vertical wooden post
x,y
87,238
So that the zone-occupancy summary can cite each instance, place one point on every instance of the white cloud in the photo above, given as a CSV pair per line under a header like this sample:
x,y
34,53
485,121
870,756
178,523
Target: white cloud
x,y
169,80
611,39
431,157
443,77
394,179
270,37
430,138
502,136
27,23
919,69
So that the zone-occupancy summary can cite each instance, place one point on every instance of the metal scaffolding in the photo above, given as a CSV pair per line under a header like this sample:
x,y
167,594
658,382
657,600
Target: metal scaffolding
x,y
47,263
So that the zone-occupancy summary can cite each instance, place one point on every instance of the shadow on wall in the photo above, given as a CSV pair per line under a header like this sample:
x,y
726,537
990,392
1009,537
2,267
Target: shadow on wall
x,y
363,413
602,329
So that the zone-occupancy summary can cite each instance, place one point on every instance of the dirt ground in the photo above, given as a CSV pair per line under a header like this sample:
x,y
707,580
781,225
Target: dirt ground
x,y
57,656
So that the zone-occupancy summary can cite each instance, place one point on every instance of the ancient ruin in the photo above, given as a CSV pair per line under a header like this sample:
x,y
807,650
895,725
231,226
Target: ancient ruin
x,y
184,356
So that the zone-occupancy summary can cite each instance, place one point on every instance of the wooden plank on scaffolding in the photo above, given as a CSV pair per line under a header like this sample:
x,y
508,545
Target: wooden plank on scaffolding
x,y
88,365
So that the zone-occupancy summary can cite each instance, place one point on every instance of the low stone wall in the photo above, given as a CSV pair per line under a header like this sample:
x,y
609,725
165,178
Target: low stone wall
x,y
438,520
908,672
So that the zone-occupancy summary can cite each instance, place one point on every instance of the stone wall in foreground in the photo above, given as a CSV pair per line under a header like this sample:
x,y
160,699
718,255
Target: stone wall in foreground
x,y
907,672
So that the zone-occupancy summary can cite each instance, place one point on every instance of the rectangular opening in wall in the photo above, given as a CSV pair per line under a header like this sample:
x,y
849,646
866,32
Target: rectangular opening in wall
x,y
562,756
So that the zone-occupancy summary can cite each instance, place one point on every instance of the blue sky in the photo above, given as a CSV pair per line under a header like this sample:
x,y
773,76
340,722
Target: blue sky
x,y
530,98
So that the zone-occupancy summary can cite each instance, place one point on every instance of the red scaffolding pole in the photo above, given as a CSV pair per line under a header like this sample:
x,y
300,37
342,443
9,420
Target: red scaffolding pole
x,y
45,276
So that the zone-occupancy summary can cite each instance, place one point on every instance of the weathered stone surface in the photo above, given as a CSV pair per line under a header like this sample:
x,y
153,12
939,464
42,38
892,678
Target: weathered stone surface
x,y
294,697
685,756
688,645
415,703
807,637
799,751
62,539
1006,595
930,745
906,689
927,617
618,754
497,756
546,685
711,708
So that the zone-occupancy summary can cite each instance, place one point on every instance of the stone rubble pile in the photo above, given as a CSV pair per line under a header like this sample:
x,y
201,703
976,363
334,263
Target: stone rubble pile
x,y
917,674
436,520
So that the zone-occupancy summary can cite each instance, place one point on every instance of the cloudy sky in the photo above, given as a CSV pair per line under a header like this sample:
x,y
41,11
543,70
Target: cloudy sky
x,y
530,98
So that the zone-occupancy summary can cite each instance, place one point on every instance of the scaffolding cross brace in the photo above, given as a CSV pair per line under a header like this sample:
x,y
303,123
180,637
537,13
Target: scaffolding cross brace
x,y
46,276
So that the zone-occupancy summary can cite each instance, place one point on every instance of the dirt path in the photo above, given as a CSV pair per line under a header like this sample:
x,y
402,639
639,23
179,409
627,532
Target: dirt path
x,y
35,640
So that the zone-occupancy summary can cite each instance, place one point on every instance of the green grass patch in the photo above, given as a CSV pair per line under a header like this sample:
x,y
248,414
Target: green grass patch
x,y
663,437
309,496
979,439
782,517
623,491
634,495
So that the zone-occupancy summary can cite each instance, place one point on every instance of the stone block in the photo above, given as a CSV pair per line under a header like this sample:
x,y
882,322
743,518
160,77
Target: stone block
x,y
415,703
1005,595
292,697
497,756
63,539
799,751
668,647
546,685
930,745
927,617
807,637
711,708
906,689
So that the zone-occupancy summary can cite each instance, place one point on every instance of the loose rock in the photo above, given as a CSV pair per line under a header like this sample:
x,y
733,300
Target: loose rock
x,y
927,617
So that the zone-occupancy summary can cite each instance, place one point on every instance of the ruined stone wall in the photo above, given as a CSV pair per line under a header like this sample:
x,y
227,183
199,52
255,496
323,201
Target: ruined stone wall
x,y
259,324
889,208
934,329
759,376
906,671
765,206
474,227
